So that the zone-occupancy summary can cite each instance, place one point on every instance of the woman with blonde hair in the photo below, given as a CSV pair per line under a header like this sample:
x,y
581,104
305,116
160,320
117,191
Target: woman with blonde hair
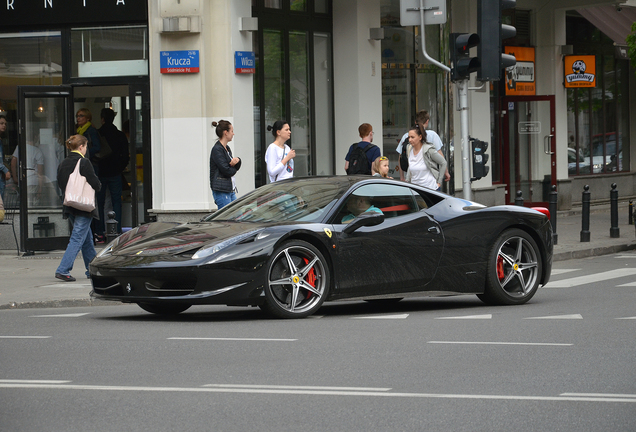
x,y
81,236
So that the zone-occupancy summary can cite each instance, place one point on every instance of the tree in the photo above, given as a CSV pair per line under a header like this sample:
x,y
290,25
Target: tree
x,y
631,45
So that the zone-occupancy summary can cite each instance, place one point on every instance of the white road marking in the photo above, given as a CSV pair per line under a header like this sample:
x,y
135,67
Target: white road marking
x,y
598,398
233,339
500,343
561,271
250,386
600,395
634,318
485,316
588,279
67,285
398,316
572,316
8,381
73,315
24,337
630,284
625,256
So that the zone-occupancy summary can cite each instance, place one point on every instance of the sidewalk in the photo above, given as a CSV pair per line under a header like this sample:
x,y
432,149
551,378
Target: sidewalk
x,y
28,282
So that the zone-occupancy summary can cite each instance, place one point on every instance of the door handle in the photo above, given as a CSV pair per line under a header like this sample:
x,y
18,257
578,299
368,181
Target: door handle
x,y
433,229
547,142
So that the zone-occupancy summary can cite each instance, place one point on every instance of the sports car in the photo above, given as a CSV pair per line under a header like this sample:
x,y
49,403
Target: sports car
x,y
289,246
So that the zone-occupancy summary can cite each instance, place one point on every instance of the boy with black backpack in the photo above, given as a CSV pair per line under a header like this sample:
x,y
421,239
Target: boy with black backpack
x,y
361,155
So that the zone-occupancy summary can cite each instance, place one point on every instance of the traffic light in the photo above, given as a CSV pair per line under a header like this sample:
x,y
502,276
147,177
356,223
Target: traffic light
x,y
479,159
492,32
461,63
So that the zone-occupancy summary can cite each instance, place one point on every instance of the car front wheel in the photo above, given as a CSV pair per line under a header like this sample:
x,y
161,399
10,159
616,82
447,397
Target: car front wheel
x,y
514,269
297,280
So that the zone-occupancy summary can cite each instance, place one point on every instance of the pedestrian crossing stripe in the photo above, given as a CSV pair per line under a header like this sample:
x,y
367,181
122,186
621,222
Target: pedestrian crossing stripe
x,y
588,279
628,284
486,316
561,271
571,316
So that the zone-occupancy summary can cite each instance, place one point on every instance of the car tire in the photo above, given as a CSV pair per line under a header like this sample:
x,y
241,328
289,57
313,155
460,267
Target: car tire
x,y
514,269
298,280
164,309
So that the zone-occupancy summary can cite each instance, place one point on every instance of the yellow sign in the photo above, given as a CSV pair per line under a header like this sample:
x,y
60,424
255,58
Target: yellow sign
x,y
580,71
520,78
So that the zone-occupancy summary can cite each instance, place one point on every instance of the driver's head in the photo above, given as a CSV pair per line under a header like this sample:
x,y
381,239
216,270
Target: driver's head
x,y
358,204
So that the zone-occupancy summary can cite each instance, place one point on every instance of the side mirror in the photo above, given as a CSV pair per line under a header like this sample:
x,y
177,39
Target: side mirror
x,y
364,219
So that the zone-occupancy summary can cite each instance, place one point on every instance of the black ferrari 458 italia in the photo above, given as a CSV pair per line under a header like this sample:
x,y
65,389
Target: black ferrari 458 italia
x,y
289,246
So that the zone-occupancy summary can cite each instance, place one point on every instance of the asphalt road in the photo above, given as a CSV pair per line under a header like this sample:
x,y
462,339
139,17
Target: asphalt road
x,y
563,362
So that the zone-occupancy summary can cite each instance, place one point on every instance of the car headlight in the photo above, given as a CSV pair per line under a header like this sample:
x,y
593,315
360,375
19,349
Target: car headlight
x,y
106,250
206,252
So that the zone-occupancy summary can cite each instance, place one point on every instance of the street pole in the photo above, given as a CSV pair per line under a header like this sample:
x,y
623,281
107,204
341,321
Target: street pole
x,y
462,91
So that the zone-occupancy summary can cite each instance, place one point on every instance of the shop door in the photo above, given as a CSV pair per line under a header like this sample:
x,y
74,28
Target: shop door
x,y
45,118
528,133
132,115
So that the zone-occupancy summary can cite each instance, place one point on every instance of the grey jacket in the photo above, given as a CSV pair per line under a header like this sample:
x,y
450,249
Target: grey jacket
x,y
433,160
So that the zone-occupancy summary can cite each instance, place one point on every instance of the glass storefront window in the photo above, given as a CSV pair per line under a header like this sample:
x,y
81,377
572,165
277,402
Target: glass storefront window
x,y
109,51
598,118
300,101
298,5
26,58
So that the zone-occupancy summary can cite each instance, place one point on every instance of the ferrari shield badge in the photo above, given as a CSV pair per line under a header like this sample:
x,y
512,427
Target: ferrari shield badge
x,y
328,232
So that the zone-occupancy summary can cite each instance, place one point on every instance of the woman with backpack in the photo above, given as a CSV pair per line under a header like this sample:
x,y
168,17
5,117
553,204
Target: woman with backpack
x,y
279,156
426,165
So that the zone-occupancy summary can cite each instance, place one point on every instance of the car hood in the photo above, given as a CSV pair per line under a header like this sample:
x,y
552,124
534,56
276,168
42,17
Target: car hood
x,y
165,238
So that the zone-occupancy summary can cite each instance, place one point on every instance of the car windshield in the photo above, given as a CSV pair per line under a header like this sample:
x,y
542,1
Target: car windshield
x,y
287,201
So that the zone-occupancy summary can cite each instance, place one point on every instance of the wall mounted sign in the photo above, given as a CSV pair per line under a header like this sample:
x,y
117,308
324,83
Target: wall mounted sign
x,y
244,62
29,13
520,78
179,61
580,71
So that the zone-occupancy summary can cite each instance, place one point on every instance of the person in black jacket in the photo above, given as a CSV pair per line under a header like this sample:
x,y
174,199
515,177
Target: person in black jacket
x,y
81,236
110,170
223,165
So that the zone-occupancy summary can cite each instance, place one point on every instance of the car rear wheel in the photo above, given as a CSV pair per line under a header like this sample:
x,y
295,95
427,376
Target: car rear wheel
x,y
164,309
514,269
297,280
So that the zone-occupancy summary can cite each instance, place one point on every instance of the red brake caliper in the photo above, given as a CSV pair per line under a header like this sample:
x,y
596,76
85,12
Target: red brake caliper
x,y
500,268
310,278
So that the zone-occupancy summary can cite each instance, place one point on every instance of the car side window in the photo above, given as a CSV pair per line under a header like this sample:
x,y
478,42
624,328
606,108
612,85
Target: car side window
x,y
391,200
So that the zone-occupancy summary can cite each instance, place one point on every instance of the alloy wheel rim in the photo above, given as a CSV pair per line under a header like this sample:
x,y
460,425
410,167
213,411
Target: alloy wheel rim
x,y
297,279
517,267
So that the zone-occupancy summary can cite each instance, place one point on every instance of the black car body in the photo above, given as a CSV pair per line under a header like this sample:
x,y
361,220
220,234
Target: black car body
x,y
283,247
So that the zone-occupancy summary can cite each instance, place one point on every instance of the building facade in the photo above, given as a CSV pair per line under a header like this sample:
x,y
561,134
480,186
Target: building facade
x,y
170,68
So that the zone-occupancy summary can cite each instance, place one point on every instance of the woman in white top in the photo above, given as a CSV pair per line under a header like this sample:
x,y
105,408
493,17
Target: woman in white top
x,y
426,165
279,156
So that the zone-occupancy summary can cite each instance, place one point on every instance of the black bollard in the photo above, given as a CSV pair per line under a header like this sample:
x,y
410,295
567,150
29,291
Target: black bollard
x,y
631,212
519,199
552,206
585,214
615,231
111,227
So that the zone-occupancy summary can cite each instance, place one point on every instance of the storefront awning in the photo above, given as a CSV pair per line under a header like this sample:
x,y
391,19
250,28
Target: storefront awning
x,y
613,20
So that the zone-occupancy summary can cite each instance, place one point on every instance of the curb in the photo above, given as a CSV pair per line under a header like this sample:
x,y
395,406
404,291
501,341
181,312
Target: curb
x,y
586,253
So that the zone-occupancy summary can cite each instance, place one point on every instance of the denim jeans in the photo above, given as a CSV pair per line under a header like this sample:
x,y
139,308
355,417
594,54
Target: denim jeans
x,y
81,239
221,199
113,184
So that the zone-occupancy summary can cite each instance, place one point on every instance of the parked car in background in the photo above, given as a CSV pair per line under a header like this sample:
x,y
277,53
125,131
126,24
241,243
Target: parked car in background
x,y
606,159
573,158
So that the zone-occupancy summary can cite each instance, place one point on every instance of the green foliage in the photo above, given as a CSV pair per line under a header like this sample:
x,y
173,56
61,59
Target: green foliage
x,y
631,45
